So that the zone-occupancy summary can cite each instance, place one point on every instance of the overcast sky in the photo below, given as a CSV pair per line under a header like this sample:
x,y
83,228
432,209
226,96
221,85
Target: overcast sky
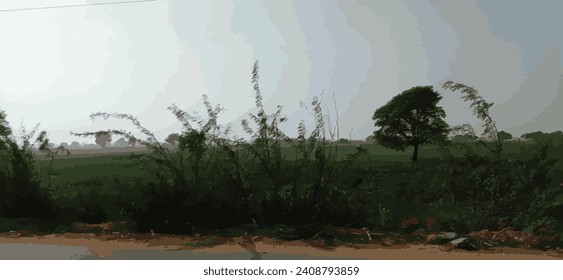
x,y
59,65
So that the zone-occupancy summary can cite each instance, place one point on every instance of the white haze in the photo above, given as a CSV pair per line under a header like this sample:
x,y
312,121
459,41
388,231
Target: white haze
x,y
59,65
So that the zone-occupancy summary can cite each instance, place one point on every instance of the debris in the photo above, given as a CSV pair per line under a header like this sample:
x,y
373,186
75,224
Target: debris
x,y
450,235
464,243
441,238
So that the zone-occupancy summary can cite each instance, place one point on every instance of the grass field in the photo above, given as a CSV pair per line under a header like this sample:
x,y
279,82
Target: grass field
x,y
87,165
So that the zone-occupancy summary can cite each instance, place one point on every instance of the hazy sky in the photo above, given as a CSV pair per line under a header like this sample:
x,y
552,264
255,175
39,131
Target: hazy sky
x,y
59,65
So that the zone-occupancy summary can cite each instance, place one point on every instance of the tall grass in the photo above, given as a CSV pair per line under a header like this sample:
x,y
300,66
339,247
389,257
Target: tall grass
x,y
20,192
496,184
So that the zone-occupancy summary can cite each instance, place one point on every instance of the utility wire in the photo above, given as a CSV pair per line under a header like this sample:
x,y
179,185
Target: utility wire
x,y
73,6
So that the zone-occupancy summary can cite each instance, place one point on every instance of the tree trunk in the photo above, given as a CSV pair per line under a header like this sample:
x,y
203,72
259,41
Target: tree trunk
x,y
415,153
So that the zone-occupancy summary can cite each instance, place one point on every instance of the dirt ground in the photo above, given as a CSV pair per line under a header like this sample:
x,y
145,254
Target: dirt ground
x,y
107,245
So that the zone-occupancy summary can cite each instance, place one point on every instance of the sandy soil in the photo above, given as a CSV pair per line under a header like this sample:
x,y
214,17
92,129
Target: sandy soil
x,y
108,244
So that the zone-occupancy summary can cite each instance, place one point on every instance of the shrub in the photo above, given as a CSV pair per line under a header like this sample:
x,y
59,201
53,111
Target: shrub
x,y
19,180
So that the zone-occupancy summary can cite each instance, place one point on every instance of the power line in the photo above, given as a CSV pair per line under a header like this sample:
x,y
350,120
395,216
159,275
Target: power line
x,y
76,5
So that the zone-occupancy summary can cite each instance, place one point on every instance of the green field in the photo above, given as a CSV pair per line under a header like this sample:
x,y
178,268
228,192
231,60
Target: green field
x,y
380,189
74,170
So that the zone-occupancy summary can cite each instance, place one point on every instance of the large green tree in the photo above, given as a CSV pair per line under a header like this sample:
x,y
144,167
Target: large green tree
x,y
411,118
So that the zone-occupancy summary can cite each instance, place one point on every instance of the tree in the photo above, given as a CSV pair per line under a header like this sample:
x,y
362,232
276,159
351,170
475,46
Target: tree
x,y
544,138
172,139
411,118
74,145
503,136
4,125
463,139
121,142
132,141
103,139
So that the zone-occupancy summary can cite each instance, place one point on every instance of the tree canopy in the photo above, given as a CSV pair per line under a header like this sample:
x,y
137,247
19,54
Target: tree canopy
x,y
103,139
411,118
545,137
75,145
121,142
172,139
503,136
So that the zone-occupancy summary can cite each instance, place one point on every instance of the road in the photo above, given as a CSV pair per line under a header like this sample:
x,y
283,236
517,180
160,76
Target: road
x,y
72,247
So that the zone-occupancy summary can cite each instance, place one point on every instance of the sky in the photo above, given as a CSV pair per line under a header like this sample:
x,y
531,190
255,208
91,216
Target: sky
x,y
57,66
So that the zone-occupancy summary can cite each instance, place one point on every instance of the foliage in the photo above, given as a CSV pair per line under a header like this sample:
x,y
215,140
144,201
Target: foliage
x,y
44,146
480,109
267,138
503,136
75,145
462,139
121,142
500,186
172,139
5,129
19,182
103,139
192,140
161,154
492,177
545,138
411,118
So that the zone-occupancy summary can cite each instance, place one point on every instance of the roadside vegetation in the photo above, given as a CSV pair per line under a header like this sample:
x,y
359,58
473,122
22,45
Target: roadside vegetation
x,y
418,175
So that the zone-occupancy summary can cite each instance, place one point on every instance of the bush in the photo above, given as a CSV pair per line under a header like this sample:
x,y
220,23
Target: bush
x,y
19,179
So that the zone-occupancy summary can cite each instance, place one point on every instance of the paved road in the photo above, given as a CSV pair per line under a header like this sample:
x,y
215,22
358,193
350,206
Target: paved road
x,y
18,251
